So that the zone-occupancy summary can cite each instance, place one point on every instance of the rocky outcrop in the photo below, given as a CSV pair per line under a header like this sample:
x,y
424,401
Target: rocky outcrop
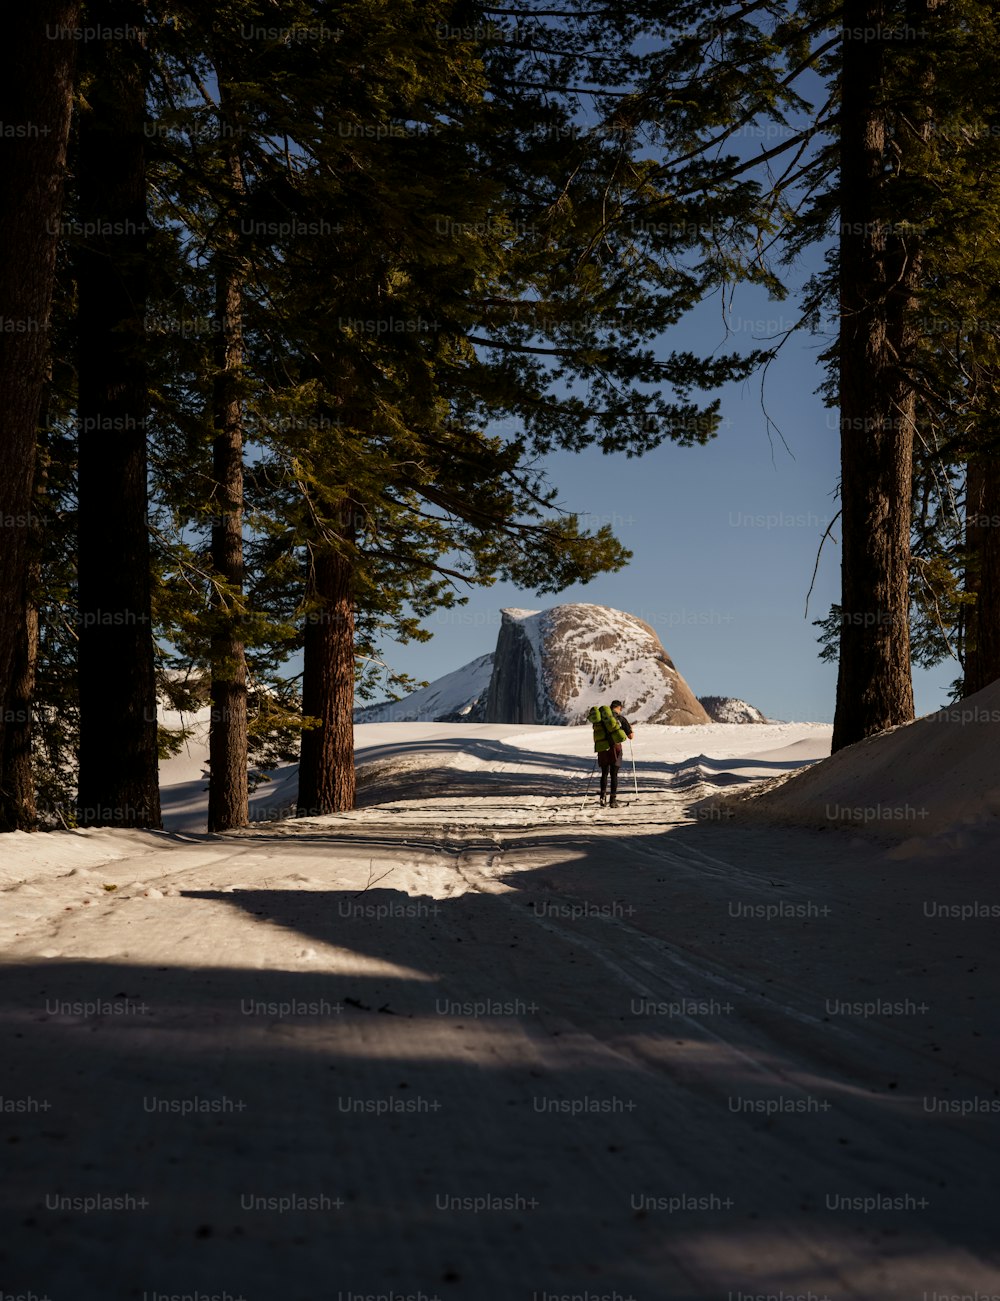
x,y
550,666
727,709
515,687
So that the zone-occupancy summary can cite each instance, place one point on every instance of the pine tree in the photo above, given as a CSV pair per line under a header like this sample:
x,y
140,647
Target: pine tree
x,y
204,98
506,275
955,580
118,749
228,792
960,304
879,272
37,70
982,656
935,202
444,227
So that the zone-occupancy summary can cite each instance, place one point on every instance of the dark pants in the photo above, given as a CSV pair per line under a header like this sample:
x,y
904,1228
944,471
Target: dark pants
x,y
610,761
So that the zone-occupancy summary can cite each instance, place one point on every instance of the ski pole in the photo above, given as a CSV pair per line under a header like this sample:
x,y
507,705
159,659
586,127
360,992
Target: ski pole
x,y
590,778
635,780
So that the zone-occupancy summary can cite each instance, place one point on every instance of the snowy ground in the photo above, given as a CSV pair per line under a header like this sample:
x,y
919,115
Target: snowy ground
x,y
470,1041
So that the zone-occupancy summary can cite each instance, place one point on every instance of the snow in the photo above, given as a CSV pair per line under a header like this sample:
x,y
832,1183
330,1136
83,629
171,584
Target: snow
x,y
184,779
730,709
454,693
626,669
582,654
933,784
434,750
586,653
487,1043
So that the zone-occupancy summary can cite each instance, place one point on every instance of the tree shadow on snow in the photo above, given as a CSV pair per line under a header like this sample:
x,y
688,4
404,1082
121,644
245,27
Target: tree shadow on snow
x,y
468,1096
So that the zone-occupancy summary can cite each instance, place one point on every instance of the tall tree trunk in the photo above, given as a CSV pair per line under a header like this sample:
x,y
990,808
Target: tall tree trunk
x,y
37,69
228,796
118,752
974,514
982,540
326,764
878,270
18,809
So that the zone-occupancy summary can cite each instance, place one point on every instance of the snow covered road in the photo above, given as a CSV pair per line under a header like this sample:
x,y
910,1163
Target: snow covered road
x,y
498,1050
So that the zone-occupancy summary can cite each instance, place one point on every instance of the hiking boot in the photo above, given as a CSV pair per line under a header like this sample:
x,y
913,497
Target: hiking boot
x,y
613,804
603,801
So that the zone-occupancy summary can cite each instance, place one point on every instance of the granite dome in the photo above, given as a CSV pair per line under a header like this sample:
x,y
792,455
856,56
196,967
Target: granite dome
x,y
550,666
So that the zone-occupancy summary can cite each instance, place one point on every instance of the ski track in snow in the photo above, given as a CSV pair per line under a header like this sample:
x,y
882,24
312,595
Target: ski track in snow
x,y
467,988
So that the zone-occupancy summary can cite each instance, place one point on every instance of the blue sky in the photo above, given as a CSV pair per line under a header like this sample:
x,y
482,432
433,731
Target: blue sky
x,y
724,538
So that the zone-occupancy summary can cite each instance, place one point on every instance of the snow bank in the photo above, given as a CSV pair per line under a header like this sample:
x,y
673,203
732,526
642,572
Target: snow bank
x,y
923,783
45,854
486,758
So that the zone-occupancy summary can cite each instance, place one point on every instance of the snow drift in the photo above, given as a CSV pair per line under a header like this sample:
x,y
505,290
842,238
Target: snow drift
x,y
459,978
933,783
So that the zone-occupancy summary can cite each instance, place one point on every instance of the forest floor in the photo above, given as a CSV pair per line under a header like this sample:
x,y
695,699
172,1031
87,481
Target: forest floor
x,y
471,1041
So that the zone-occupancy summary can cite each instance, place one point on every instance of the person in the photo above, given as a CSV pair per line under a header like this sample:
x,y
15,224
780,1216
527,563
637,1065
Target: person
x,y
626,727
610,730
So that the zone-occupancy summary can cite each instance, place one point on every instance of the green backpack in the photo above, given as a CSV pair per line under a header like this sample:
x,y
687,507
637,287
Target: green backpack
x,y
607,730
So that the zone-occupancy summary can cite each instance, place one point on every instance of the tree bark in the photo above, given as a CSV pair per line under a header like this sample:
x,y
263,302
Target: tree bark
x,y
228,795
878,276
37,70
974,508
118,750
326,764
982,538
17,811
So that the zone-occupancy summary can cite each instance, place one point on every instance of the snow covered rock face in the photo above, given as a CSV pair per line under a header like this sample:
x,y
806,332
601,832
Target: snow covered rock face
x,y
727,709
447,700
550,666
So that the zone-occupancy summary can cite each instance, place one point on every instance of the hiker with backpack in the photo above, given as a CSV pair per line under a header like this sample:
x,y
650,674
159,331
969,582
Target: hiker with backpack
x,y
611,728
